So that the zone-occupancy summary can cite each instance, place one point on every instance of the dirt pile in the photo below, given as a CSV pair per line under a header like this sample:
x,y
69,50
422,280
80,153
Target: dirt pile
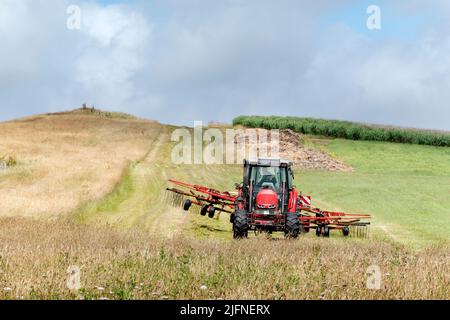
x,y
292,148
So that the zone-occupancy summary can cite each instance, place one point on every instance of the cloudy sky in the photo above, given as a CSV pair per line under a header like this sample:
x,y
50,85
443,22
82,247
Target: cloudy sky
x,y
177,61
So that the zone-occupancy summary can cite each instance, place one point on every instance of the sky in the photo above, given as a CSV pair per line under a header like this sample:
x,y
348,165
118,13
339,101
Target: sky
x,y
180,61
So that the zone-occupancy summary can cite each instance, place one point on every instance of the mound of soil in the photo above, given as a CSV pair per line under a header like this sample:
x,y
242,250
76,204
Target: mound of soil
x,y
291,148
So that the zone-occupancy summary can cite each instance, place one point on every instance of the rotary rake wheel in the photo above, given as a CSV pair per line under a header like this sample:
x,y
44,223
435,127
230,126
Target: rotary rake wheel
x,y
353,225
201,200
359,231
177,200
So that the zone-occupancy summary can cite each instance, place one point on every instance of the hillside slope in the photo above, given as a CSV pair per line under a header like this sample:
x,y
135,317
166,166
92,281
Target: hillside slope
x,y
406,188
113,171
105,177
65,160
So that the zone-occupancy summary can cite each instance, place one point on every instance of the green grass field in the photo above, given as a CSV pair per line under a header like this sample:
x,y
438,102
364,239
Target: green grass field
x,y
405,187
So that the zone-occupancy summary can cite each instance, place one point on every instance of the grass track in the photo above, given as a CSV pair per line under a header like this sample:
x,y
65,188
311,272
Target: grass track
x,y
138,200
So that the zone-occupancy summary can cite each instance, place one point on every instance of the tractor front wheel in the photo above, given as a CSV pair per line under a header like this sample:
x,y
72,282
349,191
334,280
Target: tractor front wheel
x,y
240,225
292,225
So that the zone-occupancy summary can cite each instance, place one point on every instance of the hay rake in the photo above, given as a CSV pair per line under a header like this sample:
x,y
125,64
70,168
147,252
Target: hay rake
x,y
266,201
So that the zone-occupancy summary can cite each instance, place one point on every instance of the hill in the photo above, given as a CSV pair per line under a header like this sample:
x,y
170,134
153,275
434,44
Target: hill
x,y
94,187
64,160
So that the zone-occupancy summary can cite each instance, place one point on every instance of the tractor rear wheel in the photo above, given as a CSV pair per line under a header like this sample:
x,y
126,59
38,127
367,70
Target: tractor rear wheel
x,y
240,225
292,225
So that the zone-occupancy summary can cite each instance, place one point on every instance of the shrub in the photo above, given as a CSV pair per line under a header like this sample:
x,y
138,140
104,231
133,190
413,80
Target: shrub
x,y
346,130
8,160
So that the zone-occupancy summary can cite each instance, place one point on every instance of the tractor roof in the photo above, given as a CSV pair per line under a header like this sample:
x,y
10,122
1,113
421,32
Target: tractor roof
x,y
270,162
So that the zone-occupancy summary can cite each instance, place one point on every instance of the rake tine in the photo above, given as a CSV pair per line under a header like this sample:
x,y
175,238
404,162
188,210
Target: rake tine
x,y
168,197
179,200
174,200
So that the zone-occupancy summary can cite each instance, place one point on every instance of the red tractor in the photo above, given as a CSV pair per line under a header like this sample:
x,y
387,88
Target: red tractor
x,y
267,201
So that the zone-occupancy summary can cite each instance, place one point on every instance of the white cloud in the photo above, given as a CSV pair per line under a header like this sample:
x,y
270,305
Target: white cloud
x,y
116,40
177,61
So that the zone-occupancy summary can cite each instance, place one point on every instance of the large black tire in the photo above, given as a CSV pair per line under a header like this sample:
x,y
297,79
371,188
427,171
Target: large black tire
x,y
292,225
240,224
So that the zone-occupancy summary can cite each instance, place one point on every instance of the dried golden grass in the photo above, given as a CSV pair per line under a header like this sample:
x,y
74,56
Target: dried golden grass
x,y
66,160
35,256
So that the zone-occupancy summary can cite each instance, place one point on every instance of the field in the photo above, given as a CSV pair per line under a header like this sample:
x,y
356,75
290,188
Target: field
x,y
65,160
406,187
136,265
88,191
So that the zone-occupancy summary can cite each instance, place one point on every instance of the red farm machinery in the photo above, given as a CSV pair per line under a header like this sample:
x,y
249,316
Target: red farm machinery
x,y
267,201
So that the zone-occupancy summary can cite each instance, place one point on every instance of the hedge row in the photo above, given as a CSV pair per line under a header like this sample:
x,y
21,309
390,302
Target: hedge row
x,y
346,130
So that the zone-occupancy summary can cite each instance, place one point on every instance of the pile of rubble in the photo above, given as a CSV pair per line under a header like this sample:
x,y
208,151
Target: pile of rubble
x,y
291,148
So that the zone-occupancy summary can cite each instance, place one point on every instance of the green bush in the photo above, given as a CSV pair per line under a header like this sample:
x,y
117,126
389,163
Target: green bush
x,y
346,130
10,161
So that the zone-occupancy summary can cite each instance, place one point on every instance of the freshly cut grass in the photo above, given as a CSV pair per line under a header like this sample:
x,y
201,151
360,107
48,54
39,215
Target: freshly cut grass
x,y
65,160
405,187
347,130
135,265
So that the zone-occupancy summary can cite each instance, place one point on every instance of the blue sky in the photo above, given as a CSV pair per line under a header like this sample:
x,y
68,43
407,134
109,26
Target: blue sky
x,y
177,61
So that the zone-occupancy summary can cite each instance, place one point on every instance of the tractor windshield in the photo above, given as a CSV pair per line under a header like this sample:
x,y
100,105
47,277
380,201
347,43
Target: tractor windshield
x,y
268,177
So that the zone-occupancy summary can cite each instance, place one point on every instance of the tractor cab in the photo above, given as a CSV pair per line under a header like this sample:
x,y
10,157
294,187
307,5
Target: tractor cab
x,y
266,185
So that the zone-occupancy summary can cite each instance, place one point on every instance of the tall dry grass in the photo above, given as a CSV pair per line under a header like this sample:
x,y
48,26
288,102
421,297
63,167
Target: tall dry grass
x,y
65,160
35,256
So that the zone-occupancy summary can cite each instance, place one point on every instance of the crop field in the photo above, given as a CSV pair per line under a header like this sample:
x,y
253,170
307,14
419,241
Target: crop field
x,y
88,190
347,130
134,264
